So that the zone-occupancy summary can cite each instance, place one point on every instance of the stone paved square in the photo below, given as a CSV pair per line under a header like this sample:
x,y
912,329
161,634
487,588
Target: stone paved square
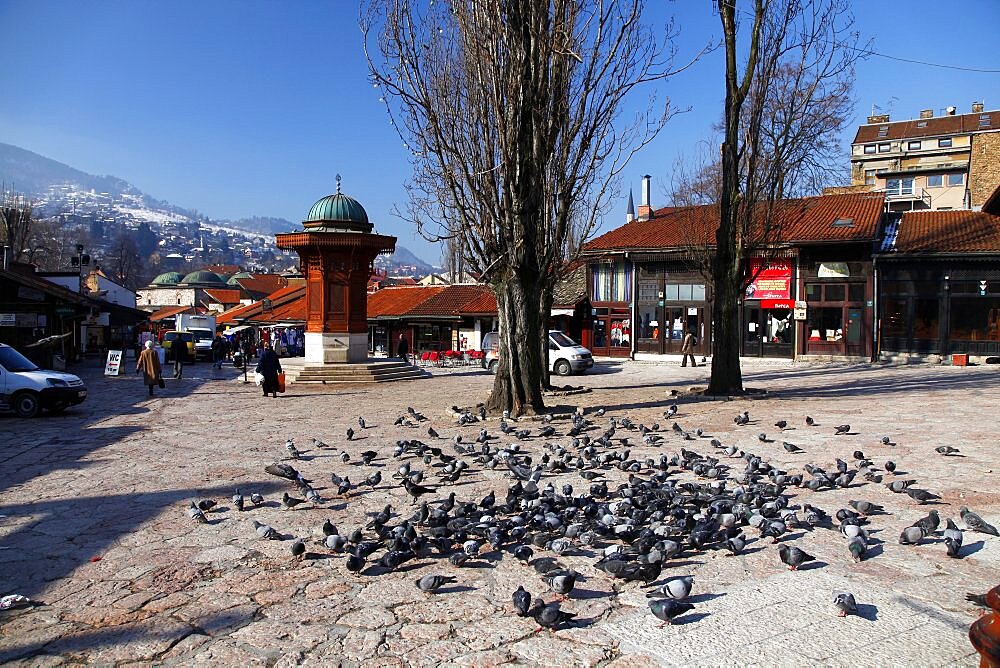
x,y
93,523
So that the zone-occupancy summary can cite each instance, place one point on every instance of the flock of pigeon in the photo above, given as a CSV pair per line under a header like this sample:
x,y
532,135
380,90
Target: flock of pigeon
x,y
668,506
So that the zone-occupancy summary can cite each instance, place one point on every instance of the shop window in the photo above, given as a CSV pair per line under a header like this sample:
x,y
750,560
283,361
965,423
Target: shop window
x,y
894,318
925,318
649,325
856,292
698,292
975,319
814,292
621,328
684,292
670,293
834,293
826,324
612,282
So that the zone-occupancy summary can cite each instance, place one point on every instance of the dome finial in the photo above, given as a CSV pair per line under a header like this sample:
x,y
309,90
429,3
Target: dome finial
x,y
338,183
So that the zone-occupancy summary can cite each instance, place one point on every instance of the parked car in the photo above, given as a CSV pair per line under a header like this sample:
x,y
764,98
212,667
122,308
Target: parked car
x,y
186,338
27,389
566,356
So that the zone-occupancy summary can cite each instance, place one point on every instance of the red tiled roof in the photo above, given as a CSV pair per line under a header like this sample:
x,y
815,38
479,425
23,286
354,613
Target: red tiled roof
x,y
454,300
262,284
223,269
224,296
806,220
393,302
948,232
938,125
169,312
278,298
485,303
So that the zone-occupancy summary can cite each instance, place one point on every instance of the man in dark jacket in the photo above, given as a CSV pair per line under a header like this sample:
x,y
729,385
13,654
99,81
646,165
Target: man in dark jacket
x,y
403,348
178,355
269,366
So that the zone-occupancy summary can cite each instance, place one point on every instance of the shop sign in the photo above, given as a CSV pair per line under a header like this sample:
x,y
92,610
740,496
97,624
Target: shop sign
x,y
773,281
800,310
8,319
113,367
833,270
26,320
65,310
777,303
30,293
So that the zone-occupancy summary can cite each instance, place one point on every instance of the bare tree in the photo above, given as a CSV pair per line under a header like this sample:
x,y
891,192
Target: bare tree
x,y
784,108
512,112
123,261
16,222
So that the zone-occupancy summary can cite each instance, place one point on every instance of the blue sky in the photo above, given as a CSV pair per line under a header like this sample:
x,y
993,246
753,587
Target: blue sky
x,y
240,108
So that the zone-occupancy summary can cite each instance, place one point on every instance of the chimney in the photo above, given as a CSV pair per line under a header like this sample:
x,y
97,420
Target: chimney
x,y
645,210
977,107
881,118
926,113
630,209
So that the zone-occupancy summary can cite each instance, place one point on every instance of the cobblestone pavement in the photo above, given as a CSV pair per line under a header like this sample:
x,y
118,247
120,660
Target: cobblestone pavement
x,y
93,523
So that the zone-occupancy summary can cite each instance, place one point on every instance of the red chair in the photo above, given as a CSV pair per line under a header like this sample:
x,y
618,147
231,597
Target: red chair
x,y
434,357
424,356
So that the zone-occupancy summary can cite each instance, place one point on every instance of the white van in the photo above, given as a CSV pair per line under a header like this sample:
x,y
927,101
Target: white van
x,y
566,356
26,389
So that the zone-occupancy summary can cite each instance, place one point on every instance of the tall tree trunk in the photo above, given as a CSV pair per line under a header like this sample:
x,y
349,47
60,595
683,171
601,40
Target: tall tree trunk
x,y
518,384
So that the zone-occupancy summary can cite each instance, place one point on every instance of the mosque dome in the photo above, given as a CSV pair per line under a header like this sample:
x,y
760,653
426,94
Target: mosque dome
x,y
168,278
202,278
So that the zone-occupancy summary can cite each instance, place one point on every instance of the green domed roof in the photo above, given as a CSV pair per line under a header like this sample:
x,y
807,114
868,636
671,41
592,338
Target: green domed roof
x,y
203,276
168,278
238,275
337,208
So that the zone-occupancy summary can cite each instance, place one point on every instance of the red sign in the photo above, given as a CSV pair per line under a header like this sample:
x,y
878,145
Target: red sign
x,y
777,303
773,282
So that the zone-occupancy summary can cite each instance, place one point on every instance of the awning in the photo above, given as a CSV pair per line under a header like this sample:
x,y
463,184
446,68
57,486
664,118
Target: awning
x,y
562,311
238,328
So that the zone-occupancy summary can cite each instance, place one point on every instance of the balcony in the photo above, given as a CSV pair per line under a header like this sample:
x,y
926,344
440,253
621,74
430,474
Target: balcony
x,y
903,190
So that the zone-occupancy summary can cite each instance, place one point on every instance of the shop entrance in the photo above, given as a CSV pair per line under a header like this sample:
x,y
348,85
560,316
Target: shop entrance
x,y
662,328
768,328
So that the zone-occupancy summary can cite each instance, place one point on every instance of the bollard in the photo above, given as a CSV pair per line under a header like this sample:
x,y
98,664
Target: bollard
x,y
985,632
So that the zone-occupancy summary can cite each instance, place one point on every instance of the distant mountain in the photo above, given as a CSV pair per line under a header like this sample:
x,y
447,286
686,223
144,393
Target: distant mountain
x,y
33,174
262,224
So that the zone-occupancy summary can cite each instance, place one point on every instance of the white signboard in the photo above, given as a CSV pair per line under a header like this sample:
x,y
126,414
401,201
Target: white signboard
x,y
8,319
114,364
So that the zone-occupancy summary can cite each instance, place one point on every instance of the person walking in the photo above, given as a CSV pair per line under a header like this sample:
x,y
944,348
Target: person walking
x,y
402,348
269,367
149,364
218,350
687,348
178,352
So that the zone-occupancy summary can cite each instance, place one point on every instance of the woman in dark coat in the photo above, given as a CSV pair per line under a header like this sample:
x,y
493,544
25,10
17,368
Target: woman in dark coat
x,y
402,348
269,366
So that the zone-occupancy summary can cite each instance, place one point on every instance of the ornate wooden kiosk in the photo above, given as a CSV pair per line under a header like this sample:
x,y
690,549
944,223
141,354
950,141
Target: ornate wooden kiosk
x,y
337,249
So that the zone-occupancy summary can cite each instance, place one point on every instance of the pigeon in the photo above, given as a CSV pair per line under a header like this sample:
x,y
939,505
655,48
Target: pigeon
x,y
238,501
858,547
736,544
668,609
550,616
921,496
676,587
946,450
196,513
809,421
264,531
298,548
414,490
793,557
432,432
206,504
976,523
431,583
328,528
885,440
561,582
890,466
350,433
781,424
845,603
841,429
790,447
256,499
354,563
952,539
368,456
866,507
288,502
912,535
361,422
522,602
293,452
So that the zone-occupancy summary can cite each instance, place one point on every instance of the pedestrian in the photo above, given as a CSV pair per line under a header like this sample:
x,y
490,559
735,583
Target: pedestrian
x,y
218,350
269,367
178,355
403,348
687,348
149,364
